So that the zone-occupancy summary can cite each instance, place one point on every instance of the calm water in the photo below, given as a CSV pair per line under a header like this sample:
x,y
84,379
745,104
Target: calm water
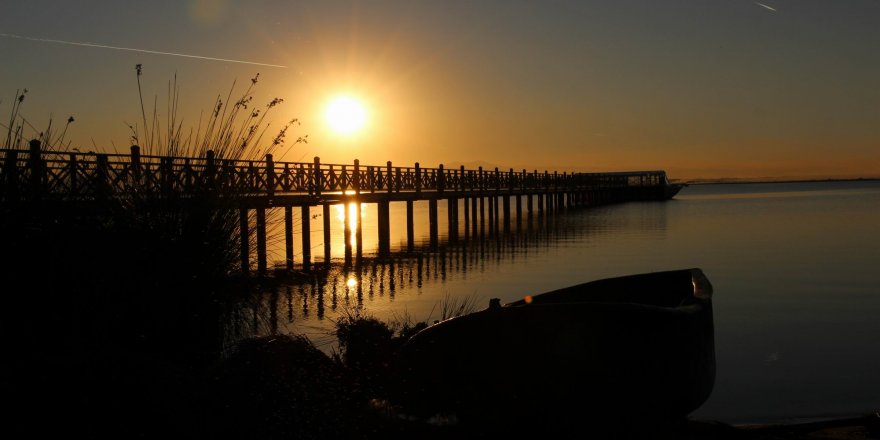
x,y
793,266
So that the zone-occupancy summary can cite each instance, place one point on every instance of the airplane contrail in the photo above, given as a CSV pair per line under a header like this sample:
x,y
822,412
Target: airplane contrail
x,y
765,6
131,49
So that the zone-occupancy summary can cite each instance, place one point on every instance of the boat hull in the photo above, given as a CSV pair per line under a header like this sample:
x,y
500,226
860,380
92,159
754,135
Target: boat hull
x,y
595,351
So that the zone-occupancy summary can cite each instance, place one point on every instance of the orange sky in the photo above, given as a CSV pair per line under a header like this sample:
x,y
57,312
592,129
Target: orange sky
x,y
702,89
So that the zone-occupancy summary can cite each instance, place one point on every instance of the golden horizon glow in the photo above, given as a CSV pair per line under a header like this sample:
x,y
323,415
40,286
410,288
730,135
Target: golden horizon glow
x,y
345,114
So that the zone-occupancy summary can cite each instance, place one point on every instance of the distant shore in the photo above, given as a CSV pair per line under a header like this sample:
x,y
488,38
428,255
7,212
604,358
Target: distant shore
x,y
770,180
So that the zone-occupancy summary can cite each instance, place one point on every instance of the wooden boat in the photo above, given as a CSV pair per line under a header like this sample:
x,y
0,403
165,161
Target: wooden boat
x,y
633,347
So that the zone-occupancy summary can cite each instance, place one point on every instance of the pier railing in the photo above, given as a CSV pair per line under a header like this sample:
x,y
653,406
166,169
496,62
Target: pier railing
x,y
76,175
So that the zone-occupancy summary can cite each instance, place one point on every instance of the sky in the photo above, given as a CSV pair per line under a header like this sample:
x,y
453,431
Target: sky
x,y
703,89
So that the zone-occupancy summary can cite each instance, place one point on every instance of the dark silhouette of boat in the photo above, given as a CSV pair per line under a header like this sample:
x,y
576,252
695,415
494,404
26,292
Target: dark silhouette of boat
x,y
616,350
671,189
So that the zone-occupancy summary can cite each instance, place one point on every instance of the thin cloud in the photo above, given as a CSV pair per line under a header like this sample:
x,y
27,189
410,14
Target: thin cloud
x,y
765,6
132,49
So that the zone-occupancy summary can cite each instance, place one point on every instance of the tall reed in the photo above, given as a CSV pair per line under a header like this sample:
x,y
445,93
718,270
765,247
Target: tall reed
x,y
18,127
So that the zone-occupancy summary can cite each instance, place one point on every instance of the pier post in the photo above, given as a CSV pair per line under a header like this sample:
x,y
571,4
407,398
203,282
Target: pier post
x,y
481,181
346,210
491,202
496,216
467,216
384,219
432,221
325,215
529,206
555,199
356,178
418,180
505,202
518,212
102,177
210,171
136,165
270,176
317,176
35,163
410,230
482,216
452,218
474,219
261,241
288,237
441,180
243,238
389,177
358,230
306,237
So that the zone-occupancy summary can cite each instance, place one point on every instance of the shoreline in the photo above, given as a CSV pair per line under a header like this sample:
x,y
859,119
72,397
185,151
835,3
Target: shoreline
x,y
866,426
744,181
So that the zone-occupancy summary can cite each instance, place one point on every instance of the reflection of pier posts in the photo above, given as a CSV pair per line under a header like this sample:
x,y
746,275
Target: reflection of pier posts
x,y
383,215
325,214
420,264
288,237
273,311
306,237
243,235
261,241
410,229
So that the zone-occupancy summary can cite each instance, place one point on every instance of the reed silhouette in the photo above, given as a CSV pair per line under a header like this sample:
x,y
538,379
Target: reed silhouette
x,y
115,308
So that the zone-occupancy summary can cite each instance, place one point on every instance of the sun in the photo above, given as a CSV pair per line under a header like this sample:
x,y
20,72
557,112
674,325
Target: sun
x,y
345,114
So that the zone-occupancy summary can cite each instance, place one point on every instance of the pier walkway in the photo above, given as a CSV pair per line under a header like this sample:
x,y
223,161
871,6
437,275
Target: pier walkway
x,y
72,177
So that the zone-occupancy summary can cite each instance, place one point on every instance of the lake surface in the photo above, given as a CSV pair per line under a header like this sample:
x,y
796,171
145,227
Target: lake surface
x,y
793,265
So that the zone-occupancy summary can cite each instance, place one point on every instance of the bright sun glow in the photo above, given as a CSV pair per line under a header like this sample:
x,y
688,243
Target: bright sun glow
x,y
345,115
352,220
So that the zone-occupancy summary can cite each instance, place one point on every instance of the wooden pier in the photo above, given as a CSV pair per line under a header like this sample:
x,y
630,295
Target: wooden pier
x,y
258,185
